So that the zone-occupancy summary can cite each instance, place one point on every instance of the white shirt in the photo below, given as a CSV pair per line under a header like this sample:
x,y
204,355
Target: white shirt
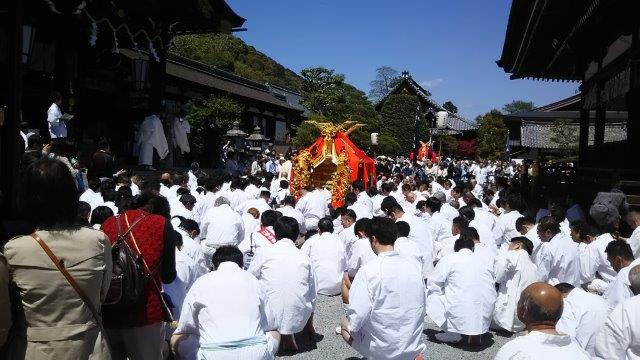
x,y
361,210
296,214
559,261
358,253
365,199
618,290
237,197
187,273
440,227
193,180
583,316
221,225
313,206
485,234
514,271
449,212
595,260
94,199
505,228
328,259
410,250
57,127
193,250
227,305
537,345
618,339
485,217
256,240
260,204
386,308
287,276
461,294
634,242
377,203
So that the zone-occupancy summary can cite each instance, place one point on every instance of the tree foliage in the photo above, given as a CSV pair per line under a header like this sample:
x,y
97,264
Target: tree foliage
x,y
217,111
230,53
565,136
397,117
386,80
450,107
517,106
447,144
492,135
322,88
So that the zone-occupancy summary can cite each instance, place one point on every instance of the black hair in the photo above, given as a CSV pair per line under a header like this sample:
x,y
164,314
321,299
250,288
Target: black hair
x,y
619,248
386,188
525,242
310,233
384,229
55,96
460,222
358,185
434,204
125,190
361,225
467,212
390,204
350,213
325,225
286,228
514,200
182,191
522,221
150,185
284,184
469,233
229,253
179,178
404,229
269,218
558,213
265,194
548,223
84,209
109,195
289,200
48,196
100,214
103,144
350,198
34,140
187,199
190,225
464,242
564,288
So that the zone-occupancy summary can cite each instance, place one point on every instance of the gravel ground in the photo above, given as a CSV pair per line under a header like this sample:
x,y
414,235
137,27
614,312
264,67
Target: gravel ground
x,y
328,345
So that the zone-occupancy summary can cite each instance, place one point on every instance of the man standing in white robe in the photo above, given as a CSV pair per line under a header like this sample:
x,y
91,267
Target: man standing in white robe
x,y
288,278
514,271
461,295
559,259
248,334
150,136
180,129
57,125
583,315
386,302
618,338
326,252
540,308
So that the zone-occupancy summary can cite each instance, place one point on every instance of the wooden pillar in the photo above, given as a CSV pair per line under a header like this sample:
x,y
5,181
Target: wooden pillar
x,y
601,118
633,108
10,151
584,134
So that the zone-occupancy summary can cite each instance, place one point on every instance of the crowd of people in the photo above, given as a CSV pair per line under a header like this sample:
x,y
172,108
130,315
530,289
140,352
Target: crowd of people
x,y
214,265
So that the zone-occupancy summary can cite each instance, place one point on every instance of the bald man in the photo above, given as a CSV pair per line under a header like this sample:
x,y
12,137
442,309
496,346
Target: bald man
x,y
539,309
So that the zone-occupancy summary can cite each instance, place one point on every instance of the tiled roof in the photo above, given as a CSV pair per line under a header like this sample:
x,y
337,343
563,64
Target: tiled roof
x,y
538,134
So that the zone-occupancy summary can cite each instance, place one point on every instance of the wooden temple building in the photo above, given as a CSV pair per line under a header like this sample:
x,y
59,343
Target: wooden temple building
x,y
110,62
595,43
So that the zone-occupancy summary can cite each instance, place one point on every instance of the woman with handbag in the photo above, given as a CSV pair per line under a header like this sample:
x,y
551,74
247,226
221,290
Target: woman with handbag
x,y
59,274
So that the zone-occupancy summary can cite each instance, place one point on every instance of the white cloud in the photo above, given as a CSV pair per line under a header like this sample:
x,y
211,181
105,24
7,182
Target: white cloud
x,y
432,83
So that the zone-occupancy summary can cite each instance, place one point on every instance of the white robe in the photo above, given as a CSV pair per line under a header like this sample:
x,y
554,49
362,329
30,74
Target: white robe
x,y
634,242
207,309
595,260
260,204
537,345
618,338
361,210
461,294
328,259
296,214
386,309
150,136
358,254
187,273
287,276
314,207
583,316
514,271
410,250
419,233
94,199
57,126
559,261
221,226
180,129
618,290
505,228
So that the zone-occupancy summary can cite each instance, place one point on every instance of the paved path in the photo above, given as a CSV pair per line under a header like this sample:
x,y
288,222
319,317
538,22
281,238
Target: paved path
x,y
331,346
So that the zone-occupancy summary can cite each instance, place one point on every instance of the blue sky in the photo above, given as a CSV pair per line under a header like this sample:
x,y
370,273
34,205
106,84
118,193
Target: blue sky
x,y
449,46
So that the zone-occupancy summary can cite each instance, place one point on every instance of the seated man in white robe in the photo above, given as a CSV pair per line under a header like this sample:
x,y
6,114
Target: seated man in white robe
x,y
92,195
633,219
514,271
407,248
540,309
505,228
385,305
583,315
263,235
313,206
558,259
357,249
485,234
288,278
618,338
261,203
288,209
327,255
221,225
189,231
248,334
361,210
620,256
461,294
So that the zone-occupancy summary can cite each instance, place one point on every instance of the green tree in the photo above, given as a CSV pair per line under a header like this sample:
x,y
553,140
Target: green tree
x,y
450,107
447,143
386,80
218,111
322,88
492,134
397,116
517,106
